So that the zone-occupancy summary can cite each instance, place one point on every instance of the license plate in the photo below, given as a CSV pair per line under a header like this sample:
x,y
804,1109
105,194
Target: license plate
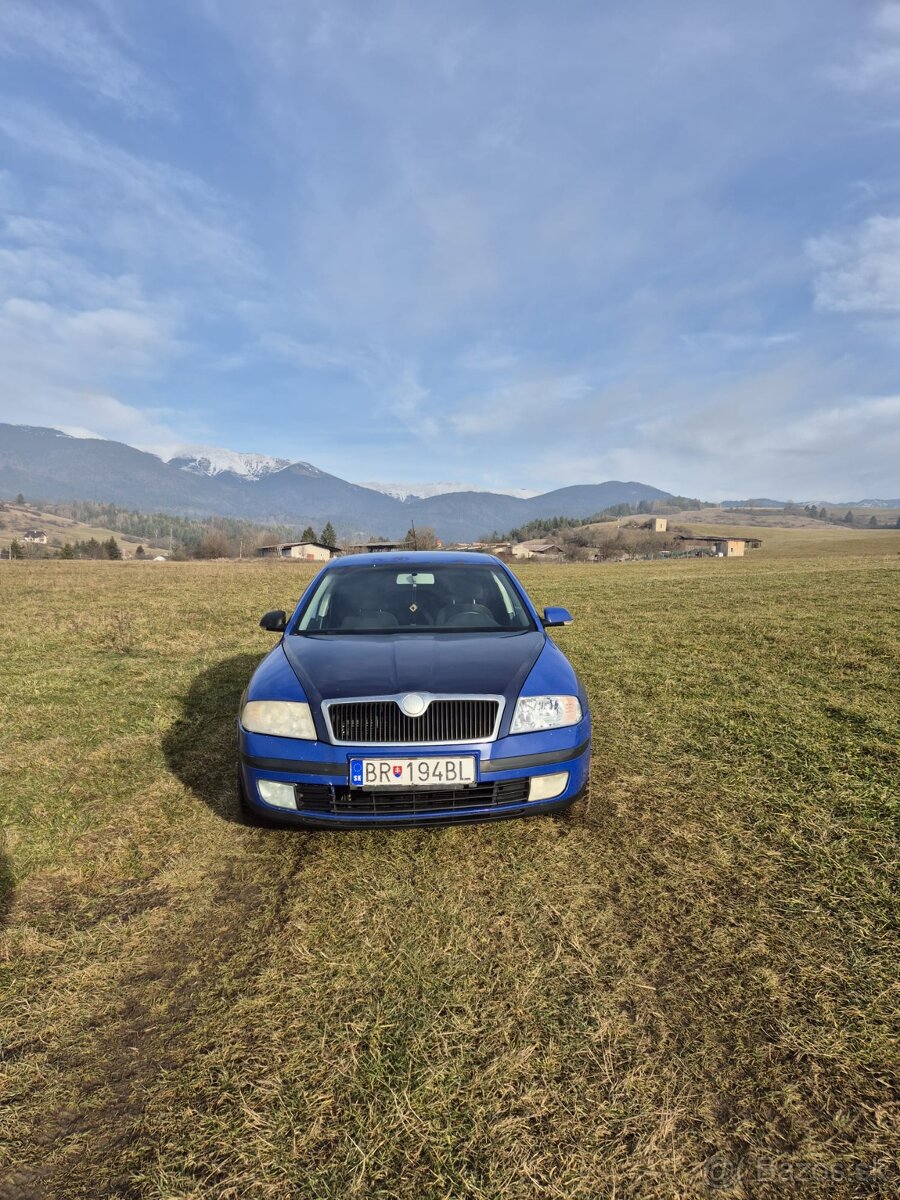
x,y
412,772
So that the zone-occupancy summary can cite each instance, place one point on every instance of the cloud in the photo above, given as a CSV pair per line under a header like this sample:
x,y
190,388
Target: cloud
x,y
144,209
95,414
48,272
54,364
876,63
71,335
859,271
721,341
392,382
519,408
488,357
114,340
767,434
70,41
477,240
313,356
468,191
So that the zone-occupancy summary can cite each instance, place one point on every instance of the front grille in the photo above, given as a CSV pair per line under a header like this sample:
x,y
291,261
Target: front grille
x,y
321,798
382,722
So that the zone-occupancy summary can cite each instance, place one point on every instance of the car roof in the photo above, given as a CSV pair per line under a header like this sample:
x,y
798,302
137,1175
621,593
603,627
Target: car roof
x,y
417,558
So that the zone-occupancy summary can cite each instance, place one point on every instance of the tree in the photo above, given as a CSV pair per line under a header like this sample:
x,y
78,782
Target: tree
x,y
140,552
112,549
329,537
308,535
848,517
213,545
67,551
20,499
15,549
422,539
873,522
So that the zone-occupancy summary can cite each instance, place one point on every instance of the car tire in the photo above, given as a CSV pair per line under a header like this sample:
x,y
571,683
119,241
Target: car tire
x,y
578,810
565,816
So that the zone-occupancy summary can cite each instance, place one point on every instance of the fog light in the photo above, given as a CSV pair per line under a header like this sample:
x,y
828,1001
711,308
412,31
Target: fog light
x,y
545,787
279,794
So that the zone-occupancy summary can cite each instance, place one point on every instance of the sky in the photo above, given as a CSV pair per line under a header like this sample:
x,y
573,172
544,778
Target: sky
x,y
512,243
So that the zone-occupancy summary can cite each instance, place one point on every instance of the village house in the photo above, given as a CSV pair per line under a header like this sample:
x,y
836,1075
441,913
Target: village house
x,y
721,545
379,544
547,551
36,537
306,551
484,547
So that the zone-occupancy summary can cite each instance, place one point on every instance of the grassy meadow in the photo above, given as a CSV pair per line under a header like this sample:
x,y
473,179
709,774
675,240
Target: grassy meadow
x,y
686,987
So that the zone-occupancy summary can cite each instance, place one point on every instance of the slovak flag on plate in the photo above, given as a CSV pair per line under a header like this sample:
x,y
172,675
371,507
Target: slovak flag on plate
x,y
398,771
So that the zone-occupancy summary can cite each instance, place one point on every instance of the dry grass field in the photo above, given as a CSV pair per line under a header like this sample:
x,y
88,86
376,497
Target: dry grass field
x,y
810,541
685,988
761,518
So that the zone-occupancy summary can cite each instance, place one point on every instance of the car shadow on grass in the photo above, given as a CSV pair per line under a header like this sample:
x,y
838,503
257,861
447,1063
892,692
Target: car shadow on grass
x,y
6,885
202,746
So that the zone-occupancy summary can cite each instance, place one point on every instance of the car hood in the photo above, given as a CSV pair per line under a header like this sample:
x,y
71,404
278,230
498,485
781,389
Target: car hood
x,y
350,665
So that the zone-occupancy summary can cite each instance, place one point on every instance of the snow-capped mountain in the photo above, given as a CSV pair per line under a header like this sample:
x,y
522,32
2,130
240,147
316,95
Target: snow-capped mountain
x,y
78,431
893,503
44,462
423,491
215,460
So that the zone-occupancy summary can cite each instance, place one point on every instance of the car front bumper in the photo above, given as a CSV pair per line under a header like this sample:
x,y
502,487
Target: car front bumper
x,y
319,774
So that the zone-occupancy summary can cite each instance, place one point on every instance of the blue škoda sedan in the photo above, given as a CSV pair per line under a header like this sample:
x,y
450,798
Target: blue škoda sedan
x,y
413,688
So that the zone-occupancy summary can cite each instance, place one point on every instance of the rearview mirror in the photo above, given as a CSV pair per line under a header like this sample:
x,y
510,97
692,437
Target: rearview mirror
x,y
274,621
556,616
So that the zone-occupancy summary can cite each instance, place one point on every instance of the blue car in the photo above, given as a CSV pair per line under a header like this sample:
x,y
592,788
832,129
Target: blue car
x,y
410,689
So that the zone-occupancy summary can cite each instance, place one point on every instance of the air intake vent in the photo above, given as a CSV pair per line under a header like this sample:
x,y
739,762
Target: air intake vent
x,y
338,801
383,723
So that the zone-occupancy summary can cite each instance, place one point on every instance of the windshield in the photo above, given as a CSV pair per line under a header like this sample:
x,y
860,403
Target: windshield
x,y
444,598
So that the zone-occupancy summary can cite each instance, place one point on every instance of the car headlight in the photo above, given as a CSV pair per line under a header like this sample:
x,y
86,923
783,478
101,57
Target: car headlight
x,y
280,718
545,712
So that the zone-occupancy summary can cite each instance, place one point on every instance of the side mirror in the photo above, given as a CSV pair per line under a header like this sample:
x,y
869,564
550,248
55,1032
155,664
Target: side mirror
x,y
556,616
274,621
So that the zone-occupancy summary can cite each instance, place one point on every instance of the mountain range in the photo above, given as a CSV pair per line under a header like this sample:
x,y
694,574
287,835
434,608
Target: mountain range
x,y
763,503
48,464
423,491
214,460
189,480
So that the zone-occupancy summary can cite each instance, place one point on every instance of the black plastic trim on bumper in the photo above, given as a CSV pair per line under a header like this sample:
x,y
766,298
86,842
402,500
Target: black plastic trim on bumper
x,y
491,765
295,766
344,823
